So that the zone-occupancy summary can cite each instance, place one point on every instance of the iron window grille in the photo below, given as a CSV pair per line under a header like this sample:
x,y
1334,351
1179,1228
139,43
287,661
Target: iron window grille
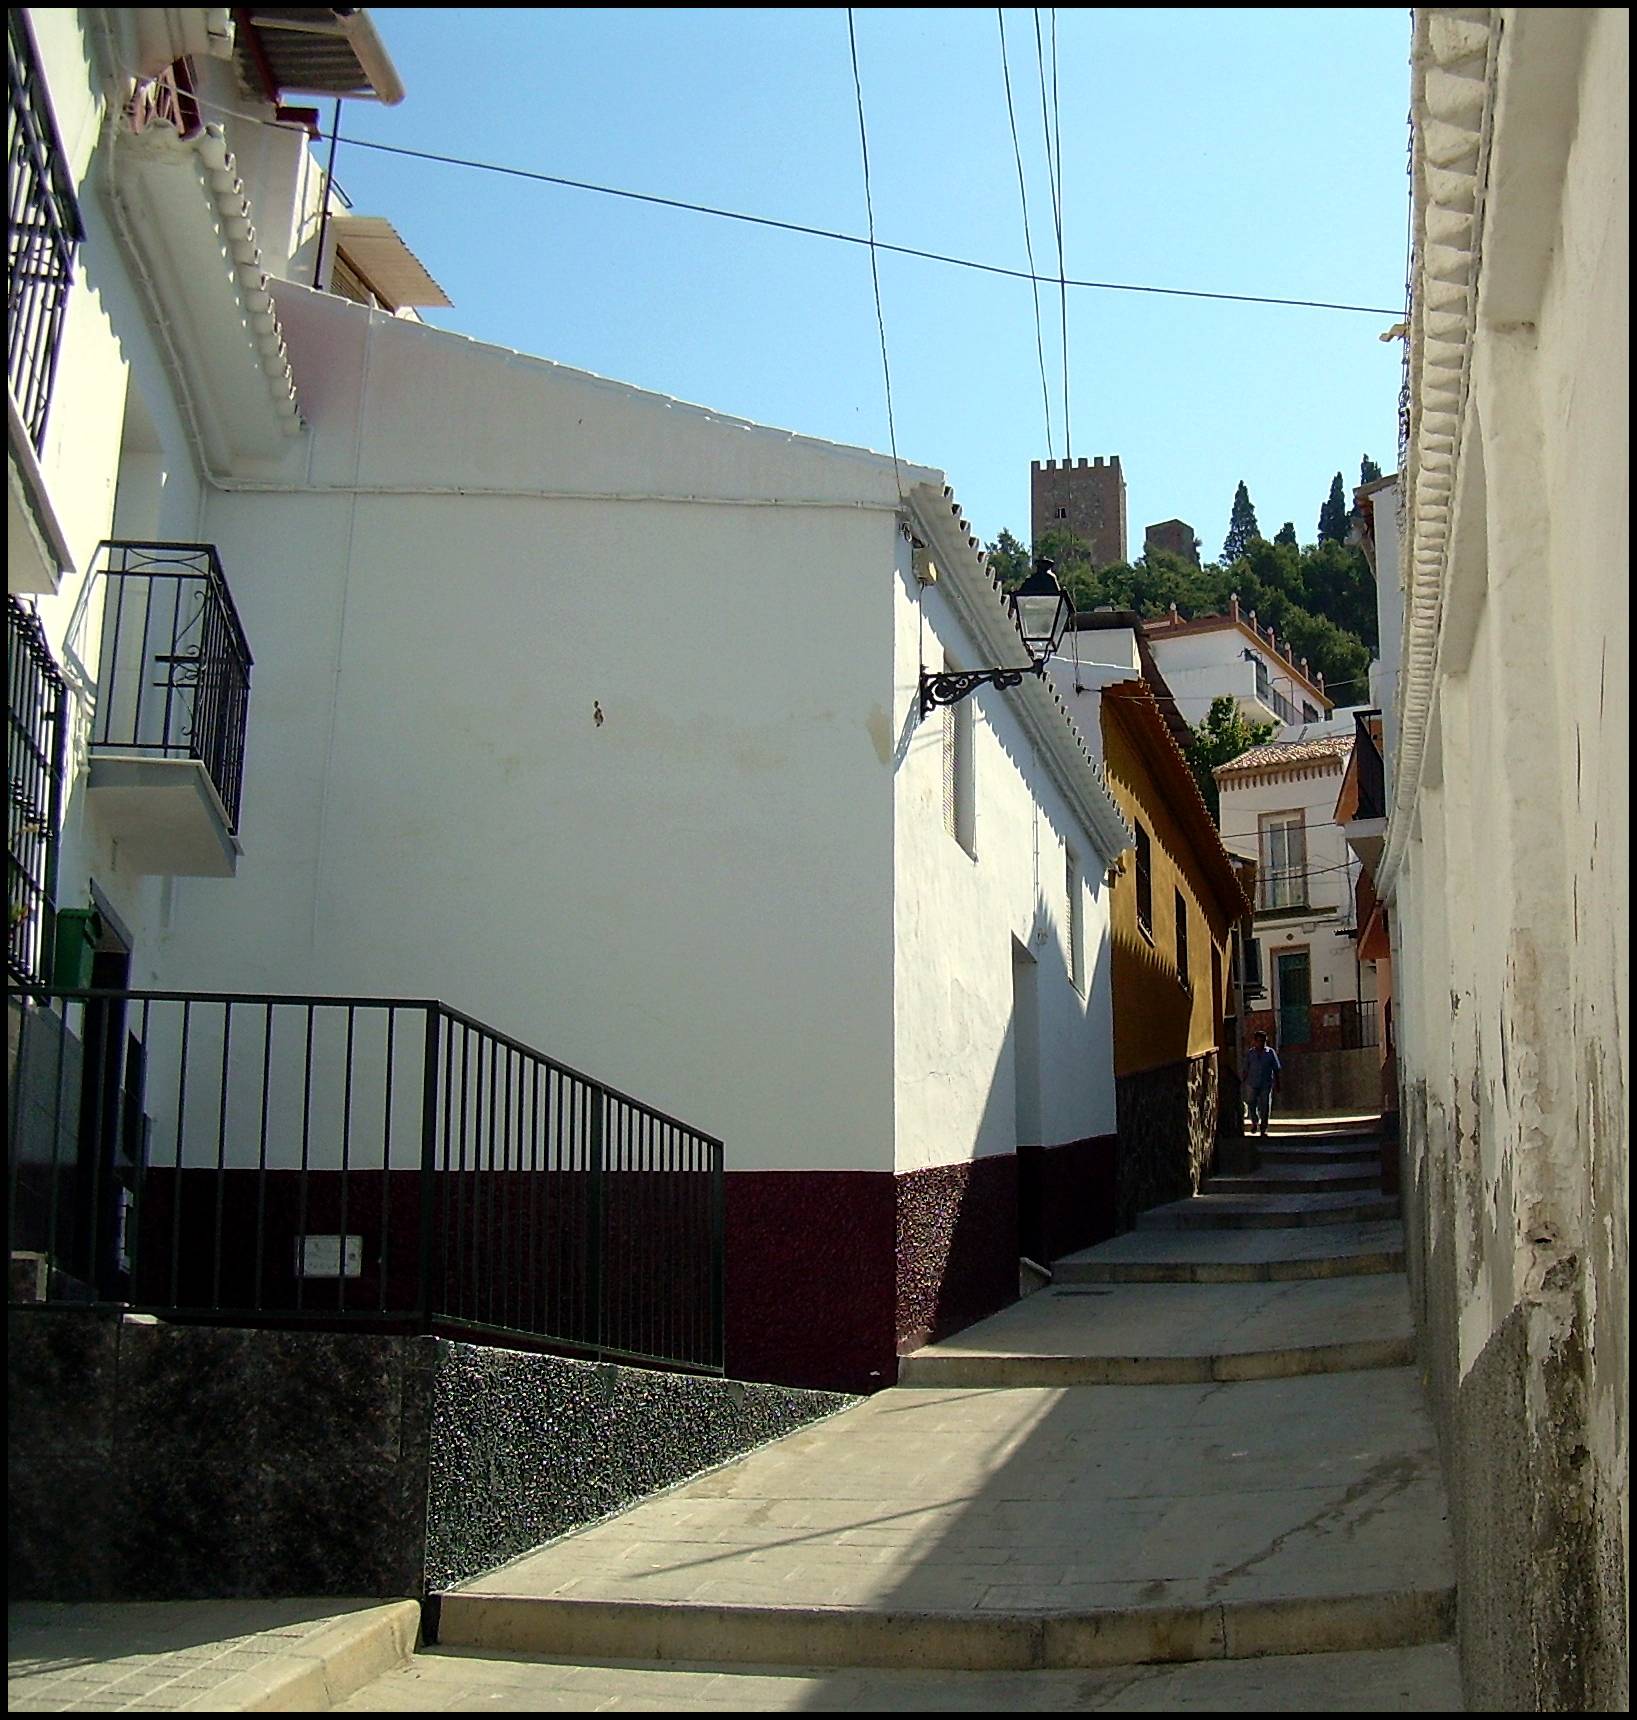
x,y
174,679
1182,940
42,234
36,747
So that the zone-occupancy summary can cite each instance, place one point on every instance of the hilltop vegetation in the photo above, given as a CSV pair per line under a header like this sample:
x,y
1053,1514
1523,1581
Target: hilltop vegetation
x,y
1320,596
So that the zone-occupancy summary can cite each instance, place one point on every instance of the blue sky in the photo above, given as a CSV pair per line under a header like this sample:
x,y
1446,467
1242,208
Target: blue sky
x,y
1237,151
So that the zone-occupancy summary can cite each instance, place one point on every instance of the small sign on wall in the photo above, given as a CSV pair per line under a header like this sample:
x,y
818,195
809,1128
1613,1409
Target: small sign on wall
x,y
324,1257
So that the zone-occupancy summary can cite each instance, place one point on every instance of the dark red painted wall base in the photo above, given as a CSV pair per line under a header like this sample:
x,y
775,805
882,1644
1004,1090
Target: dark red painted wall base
x,y
1067,1196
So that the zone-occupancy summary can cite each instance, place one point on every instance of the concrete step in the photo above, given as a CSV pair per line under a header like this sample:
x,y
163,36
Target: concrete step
x,y
1424,1680
1318,1152
1348,1178
1267,1211
1237,1256
973,1530
838,1636
1175,1334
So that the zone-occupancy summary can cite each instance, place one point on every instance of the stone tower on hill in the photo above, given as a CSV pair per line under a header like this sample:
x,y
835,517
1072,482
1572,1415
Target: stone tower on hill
x,y
1085,498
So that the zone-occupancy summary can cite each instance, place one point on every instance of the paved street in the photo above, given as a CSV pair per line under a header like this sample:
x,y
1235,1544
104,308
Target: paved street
x,y
1017,1526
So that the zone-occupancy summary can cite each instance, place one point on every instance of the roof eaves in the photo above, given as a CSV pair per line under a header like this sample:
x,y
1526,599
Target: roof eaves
x,y
975,594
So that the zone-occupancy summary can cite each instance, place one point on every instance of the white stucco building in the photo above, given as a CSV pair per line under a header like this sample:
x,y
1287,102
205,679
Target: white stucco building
x,y
1278,808
1505,869
527,733
1216,656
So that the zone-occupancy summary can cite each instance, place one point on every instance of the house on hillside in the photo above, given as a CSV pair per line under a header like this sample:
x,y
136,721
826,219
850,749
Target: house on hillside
x,y
1232,655
1278,806
1178,911
586,828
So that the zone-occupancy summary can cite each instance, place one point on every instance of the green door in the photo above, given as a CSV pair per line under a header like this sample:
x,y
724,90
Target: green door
x,y
1295,994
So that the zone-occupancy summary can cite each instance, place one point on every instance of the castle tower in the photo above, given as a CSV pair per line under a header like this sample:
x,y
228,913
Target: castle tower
x,y
1175,537
1084,498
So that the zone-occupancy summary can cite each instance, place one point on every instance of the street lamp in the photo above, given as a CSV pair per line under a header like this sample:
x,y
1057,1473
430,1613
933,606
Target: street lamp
x,y
1041,611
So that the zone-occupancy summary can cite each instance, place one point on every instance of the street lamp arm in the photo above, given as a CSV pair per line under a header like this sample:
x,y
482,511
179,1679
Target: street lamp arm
x,y
950,686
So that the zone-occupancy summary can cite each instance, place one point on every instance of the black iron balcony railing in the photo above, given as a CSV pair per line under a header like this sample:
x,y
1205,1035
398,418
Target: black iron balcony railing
x,y
174,675
36,747
353,1163
43,230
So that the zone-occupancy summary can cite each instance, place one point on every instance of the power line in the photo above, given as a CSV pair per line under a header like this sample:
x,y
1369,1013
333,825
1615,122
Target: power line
x,y
1054,174
854,238
875,272
1028,239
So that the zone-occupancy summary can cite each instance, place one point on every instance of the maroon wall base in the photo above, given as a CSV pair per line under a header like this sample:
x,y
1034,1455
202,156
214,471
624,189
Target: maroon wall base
x,y
810,1282
1066,1196
956,1247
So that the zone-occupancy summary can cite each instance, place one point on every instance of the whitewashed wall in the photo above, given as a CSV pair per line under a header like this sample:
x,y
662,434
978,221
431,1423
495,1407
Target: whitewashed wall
x,y
691,899
111,373
958,917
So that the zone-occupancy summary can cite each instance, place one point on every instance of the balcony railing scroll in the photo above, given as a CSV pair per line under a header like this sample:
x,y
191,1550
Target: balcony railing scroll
x,y
349,1163
43,232
174,676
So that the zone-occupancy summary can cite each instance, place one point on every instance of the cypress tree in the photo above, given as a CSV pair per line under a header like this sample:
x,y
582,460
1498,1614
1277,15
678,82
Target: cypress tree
x,y
1286,534
1242,527
1368,470
1333,516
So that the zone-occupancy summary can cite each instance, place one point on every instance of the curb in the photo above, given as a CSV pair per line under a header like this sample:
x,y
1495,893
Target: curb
x,y
571,1629
1004,1371
1363,1212
326,1667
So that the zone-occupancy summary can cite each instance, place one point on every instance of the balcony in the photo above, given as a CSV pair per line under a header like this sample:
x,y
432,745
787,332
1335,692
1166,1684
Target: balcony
x,y
42,237
173,696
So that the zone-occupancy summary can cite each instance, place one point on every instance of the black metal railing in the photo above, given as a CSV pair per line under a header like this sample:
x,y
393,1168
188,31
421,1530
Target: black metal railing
x,y
353,1162
36,747
1360,1025
43,230
174,673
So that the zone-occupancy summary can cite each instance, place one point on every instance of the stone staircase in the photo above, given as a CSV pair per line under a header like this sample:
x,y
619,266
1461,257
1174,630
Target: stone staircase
x,y
1196,1471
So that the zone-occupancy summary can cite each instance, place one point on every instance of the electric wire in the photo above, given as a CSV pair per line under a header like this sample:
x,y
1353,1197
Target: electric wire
x,y
1028,238
1054,173
852,238
875,271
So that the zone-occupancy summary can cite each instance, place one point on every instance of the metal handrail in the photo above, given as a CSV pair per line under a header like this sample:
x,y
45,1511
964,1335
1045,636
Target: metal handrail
x,y
393,1163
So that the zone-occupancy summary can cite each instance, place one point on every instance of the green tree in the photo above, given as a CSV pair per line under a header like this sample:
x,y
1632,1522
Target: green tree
x,y
1224,735
1242,527
1368,470
1334,515
1286,534
1009,561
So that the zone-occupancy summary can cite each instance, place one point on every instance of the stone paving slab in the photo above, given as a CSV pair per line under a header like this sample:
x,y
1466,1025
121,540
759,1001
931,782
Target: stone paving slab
x,y
1148,1334
1409,1680
1237,1256
238,1656
1040,1501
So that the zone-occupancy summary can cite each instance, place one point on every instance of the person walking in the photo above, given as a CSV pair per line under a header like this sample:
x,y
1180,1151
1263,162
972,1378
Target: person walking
x,y
1261,1078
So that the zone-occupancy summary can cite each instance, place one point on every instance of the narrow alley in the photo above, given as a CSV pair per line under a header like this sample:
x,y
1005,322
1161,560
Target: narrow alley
x,y
1196,1471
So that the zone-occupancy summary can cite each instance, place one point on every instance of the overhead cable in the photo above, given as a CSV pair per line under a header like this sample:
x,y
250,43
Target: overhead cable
x,y
875,272
1028,239
855,238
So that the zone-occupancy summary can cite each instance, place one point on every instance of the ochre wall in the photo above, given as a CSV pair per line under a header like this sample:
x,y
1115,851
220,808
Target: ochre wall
x,y
1155,1021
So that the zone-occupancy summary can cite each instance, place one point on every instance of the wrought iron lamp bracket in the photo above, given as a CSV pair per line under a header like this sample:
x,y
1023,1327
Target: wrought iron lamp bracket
x,y
950,686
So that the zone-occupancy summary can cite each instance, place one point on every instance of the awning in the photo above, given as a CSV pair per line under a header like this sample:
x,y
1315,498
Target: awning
x,y
314,51
378,255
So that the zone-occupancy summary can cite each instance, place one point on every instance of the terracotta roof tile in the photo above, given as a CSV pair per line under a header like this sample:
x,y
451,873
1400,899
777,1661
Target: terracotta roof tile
x,y
1277,753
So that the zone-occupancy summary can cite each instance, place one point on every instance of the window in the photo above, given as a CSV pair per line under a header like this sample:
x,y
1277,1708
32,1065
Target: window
x,y
1284,861
1309,715
35,749
1062,513
1182,940
959,802
1145,886
1076,925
